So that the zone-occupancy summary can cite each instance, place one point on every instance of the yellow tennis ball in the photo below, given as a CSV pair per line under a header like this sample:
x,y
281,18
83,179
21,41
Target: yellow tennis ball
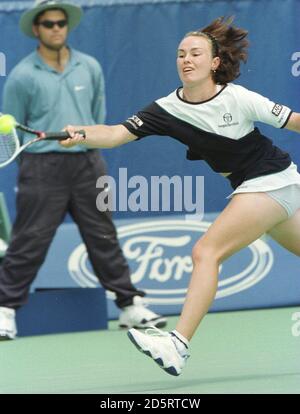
x,y
7,123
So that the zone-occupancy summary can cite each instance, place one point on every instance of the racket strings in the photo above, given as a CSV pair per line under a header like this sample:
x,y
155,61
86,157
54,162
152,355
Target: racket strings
x,y
8,146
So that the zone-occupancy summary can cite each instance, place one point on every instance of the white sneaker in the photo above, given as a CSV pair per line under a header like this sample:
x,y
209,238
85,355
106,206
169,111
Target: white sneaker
x,y
8,329
138,316
163,347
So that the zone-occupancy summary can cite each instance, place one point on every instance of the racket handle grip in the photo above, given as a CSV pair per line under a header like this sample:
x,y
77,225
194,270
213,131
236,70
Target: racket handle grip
x,y
60,136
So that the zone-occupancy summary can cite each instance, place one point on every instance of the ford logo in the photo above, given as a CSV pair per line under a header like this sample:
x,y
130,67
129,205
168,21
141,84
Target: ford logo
x,y
159,255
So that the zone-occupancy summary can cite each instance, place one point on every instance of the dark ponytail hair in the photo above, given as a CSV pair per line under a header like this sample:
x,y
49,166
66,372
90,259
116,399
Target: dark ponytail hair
x,y
229,43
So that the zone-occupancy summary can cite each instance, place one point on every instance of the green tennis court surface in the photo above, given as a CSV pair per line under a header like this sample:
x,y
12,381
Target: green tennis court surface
x,y
233,352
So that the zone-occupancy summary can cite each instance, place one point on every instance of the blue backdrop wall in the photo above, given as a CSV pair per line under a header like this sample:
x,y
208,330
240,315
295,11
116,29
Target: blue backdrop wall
x,y
136,43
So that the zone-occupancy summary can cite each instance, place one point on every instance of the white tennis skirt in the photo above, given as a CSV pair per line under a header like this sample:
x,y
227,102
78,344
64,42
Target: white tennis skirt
x,y
283,186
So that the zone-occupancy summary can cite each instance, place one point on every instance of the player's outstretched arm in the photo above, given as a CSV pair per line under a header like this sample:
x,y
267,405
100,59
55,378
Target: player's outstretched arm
x,y
294,122
98,136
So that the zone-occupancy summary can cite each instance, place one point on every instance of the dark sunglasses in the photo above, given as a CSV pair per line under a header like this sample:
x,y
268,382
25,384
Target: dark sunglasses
x,y
49,24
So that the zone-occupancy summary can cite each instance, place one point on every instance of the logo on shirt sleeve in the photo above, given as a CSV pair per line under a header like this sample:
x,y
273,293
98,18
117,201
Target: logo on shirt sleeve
x,y
135,121
277,109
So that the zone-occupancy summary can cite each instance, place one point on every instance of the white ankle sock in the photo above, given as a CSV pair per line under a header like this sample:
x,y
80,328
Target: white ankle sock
x,y
181,338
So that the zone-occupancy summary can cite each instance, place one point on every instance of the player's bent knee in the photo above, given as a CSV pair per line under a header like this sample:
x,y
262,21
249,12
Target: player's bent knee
x,y
203,252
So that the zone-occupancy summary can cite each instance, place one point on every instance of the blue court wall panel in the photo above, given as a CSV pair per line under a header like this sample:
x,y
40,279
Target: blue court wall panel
x,y
158,251
136,43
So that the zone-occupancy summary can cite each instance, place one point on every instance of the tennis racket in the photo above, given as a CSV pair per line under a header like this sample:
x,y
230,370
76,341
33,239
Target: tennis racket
x,y
10,146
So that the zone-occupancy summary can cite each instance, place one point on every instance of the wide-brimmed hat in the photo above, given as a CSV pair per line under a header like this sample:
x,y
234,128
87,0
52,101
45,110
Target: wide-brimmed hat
x,y
73,12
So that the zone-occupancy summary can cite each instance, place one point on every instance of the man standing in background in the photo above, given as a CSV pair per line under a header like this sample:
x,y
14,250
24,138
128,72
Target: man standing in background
x,y
53,86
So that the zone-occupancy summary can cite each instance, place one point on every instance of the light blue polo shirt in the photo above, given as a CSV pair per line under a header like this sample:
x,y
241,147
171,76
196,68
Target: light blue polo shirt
x,y
44,99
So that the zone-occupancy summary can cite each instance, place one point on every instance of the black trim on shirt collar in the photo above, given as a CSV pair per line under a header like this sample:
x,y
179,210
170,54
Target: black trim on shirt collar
x,y
201,102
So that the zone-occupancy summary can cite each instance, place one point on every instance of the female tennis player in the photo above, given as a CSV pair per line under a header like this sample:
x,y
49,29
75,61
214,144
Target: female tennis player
x,y
215,119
